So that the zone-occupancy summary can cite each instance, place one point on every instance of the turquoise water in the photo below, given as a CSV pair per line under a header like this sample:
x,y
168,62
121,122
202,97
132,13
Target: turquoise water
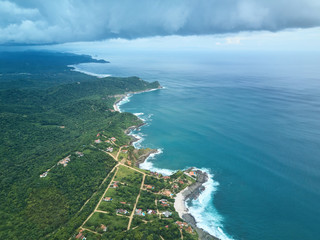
x,y
250,119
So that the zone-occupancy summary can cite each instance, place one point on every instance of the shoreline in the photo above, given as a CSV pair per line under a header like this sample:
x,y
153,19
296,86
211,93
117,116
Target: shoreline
x,y
126,95
191,192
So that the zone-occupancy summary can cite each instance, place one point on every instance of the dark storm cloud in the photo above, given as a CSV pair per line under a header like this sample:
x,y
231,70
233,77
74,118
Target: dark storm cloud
x,y
56,21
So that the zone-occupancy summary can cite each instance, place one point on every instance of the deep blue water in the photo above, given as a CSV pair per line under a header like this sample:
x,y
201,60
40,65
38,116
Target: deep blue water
x,y
251,119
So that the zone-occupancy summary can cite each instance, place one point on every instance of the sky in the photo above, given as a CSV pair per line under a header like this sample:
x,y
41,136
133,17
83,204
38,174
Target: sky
x,y
216,24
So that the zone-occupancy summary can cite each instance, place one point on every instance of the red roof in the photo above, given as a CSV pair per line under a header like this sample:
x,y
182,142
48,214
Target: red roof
x,y
79,236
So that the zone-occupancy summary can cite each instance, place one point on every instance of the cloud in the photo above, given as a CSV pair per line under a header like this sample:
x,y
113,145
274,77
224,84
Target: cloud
x,y
58,21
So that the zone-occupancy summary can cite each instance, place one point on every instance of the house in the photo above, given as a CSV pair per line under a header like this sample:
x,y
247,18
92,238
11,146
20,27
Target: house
x,y
163,201
109,149
98,134
124,151
80,236
167,213
121,211
43,174
181,182
114,184
97,141
113,139
193,174
182,224
103,227
149,186
151,212
65,161
125,146
189,229
123,202
139,212
79,154
166,177
167,192
175,186
107,199
129,162
107,141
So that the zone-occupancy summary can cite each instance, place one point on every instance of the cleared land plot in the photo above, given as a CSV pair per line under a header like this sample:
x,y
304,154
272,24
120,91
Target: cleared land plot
x,y
147,201
128,176
147,205
125,193
112,222
123,197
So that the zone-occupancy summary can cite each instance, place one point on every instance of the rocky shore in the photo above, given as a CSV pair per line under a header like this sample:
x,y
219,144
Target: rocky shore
x,y
144,156
192,192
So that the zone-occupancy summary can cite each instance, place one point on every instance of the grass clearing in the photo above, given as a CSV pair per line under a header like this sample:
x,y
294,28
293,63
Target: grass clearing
x,y
112,222
128,176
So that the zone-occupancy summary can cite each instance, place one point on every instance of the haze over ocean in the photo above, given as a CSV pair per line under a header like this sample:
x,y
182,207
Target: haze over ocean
x,y
251,119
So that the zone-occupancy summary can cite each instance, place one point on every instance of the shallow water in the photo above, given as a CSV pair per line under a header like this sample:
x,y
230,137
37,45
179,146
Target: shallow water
x,y
251,119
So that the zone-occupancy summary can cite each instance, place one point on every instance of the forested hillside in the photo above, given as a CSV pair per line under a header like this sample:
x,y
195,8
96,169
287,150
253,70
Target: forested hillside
x,y
49,113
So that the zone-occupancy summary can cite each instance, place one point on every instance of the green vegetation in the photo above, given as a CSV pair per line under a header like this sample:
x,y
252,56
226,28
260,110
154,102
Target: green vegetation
x,y
148,218
128,176
147,201
47,113
58,124
40,69
115,224
65,231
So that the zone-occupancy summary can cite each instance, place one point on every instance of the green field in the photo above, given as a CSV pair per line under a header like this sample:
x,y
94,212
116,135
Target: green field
x,y
128,176
113,222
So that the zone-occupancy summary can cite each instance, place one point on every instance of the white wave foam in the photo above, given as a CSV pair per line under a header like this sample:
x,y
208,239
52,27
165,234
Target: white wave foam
x,y
124,100
138,114
205,213
98,75
148,165
139,137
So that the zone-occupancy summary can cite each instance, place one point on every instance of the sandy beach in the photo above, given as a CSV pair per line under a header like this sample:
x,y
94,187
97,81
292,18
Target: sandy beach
x,y
116,104
179,203
192,192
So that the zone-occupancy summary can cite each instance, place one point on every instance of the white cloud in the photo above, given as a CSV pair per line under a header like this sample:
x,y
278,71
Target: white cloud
x,y
47,21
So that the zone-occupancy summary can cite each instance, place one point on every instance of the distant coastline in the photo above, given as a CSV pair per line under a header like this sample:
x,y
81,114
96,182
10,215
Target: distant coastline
x,y
76,69
121,97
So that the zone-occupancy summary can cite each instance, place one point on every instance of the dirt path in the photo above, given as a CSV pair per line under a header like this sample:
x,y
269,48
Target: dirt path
x,y
118,153
101,197
181,234
98,188
116,158
133,169
101,211
135,205
116,169
86,229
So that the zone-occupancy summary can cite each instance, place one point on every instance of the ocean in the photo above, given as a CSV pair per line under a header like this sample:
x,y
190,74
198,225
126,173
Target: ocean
x,y
250,119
